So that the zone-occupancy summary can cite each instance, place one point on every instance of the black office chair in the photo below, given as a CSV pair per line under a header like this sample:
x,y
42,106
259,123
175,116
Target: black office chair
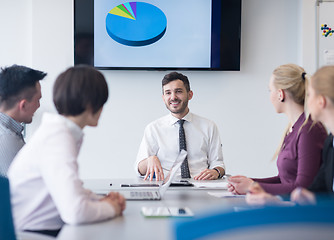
x,y
298,222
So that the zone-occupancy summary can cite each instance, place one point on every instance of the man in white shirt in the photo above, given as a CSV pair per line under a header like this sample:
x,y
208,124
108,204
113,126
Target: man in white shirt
x,y
160,144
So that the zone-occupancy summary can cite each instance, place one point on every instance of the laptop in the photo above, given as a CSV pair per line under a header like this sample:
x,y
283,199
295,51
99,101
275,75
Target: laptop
x,y
155,194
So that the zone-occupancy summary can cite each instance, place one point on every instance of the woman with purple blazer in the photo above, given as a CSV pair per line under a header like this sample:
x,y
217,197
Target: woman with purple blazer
x,y
299,154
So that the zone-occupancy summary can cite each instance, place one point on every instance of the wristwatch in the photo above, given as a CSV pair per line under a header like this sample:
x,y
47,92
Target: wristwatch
x,y
219,174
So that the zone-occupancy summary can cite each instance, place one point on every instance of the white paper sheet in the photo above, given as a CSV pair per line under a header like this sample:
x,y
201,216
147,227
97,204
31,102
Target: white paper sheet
x,y
223,194
210,184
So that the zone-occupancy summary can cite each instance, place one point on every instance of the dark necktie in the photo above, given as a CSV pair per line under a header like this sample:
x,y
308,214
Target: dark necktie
x,y
182,141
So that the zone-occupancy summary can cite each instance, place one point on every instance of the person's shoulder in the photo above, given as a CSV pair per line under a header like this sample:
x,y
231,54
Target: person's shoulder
x,y
9,142
4,131
7,136
53,121
316,127
198,118
158,122
53,128
314,130
328,141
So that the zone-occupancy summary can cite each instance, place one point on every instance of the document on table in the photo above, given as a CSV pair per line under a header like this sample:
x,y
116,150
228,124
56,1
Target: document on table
x,y
212,184
225,194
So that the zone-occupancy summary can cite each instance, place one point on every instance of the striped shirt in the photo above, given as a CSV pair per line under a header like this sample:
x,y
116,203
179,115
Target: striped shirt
x,y
11,141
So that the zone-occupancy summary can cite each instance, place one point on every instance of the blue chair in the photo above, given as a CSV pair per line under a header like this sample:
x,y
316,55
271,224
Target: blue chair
x,y
313,222
7,230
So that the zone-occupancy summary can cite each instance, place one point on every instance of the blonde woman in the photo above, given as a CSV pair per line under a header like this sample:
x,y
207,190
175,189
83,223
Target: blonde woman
x,y
320,103
299,155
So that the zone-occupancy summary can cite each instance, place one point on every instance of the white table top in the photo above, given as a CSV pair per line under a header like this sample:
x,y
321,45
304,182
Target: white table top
x,y
133,225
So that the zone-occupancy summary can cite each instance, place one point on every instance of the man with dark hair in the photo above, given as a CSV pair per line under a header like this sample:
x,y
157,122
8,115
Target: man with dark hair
x,y
20,92
165,137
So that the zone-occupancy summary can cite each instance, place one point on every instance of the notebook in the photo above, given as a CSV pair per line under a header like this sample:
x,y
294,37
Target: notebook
x,y
155,194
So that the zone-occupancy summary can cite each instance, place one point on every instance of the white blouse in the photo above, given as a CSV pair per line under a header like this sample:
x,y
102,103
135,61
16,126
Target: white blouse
x,y
45,187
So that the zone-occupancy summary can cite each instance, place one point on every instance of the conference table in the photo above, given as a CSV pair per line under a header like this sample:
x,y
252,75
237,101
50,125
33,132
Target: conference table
x,y
133,225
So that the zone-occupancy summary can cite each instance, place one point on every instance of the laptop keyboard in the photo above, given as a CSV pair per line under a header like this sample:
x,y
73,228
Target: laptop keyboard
x,y
143,195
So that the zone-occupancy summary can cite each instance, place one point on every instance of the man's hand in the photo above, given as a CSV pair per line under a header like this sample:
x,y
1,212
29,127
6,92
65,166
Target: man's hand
x,y
207,174
117,201
154,168
239,184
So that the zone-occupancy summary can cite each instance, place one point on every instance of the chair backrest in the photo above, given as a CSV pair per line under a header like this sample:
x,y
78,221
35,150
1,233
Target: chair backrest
x,y
317,219
7,230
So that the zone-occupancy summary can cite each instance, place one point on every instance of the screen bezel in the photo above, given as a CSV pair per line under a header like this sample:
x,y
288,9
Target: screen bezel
x,y
223,57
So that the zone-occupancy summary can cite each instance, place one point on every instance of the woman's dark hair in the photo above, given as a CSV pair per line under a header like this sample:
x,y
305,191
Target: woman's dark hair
x,y
79,88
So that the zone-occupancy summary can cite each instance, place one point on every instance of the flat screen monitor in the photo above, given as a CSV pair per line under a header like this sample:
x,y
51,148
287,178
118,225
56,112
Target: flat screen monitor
x,y
158,34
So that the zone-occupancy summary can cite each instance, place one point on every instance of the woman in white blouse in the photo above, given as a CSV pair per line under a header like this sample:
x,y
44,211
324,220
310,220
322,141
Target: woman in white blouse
x,y
46,191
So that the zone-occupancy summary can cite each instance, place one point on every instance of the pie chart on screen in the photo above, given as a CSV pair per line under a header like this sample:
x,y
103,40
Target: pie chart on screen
x,y
136,24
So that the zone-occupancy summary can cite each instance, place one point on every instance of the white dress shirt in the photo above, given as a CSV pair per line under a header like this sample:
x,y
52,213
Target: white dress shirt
x,y
161,139
45,187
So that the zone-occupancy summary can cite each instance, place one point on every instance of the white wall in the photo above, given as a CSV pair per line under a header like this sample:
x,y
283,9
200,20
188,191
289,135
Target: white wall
x,y
273,33
16,34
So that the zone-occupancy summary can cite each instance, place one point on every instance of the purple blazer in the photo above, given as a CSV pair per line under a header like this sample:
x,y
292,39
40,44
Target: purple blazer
x,y
299,160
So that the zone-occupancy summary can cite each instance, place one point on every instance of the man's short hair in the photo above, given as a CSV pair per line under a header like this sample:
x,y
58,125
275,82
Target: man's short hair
x,y
78,88
16,83
176,76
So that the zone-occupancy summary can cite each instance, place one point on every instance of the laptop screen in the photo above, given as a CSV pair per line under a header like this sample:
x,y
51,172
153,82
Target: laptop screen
x,y
170,176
